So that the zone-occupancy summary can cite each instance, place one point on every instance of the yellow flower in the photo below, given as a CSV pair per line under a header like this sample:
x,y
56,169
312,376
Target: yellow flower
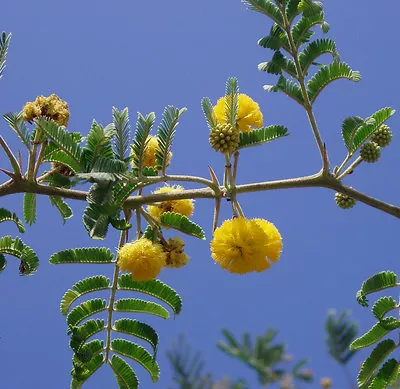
x,y
326,382
150,152
183,207
143,258
52,107
176,256
241,245
248,115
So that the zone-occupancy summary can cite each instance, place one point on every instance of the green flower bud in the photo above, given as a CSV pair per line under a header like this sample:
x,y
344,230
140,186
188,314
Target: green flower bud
x,y
344,201
224,138
382,136
370,152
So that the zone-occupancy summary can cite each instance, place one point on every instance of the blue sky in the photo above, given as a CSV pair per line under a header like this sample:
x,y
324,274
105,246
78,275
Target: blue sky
x,y
146,55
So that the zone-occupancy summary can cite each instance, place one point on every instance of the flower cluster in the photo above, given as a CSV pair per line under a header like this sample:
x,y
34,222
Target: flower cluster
x,y
184,207
150,152
51,107
176,256
241,245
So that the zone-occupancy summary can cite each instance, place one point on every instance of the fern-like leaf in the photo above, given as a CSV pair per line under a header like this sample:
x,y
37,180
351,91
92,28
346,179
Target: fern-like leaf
x,y
30,208
288,87
292,9
85,310
138,354
349,128
122,133
18,249
265,7
143,128
83,371
302,32
328,74
231,100
141,306
154,288
83,332
124,374
209,113
262,135
165,133
377,332
83,255
278,64
386,375
371,124
4,44
62,206
182,223
310,7
276,39
18,125
137,329
383,306
314,50
372,363
378,282
6,215
82,287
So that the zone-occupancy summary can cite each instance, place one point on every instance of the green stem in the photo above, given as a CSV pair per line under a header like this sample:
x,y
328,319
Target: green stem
x,y
307,103
110,308
341,167
39,159
350,168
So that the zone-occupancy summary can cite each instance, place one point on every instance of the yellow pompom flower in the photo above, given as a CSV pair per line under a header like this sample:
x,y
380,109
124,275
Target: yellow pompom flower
x,y
176,256
52,107
248,115
326,382
143,258
183,207
150,152
241,245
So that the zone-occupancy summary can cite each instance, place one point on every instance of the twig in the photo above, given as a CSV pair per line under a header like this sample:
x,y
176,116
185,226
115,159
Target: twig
x,y
13,160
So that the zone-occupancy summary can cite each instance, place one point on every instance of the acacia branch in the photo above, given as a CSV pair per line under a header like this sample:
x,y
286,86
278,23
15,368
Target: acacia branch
x,y
318,180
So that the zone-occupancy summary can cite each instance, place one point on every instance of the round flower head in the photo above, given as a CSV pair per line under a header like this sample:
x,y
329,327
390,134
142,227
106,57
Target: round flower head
x,y
248,115
143,258
150,152
176,256
51,107
183,207
241,245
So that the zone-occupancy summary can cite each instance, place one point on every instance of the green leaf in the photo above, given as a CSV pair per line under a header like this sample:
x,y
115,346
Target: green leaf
x,y
122,133
58,180
310,8
62,206
292,9
18,125
378,331
138,329
98,144
62,158
141,306
82,333
4,44
65,140
349,128
124,374
301,31
138,354
372,363
378,282
165,134
123,191
209,113
314,50
18,249
84,310
120,224
30,208
143,128
96,221
83,371
262,135
288,87
231,100
386,375
3,263
327,74
383,306
98,255
82,287
88,351
154,288
276,39
109,165
6,215
372,124
340,334
265,7
182,223
278,64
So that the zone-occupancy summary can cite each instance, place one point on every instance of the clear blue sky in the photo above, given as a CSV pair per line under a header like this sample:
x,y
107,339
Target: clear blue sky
x,y
146,55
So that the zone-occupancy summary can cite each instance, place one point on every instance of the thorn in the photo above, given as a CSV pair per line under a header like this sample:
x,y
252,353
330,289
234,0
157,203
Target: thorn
x,y
213,176
8,173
